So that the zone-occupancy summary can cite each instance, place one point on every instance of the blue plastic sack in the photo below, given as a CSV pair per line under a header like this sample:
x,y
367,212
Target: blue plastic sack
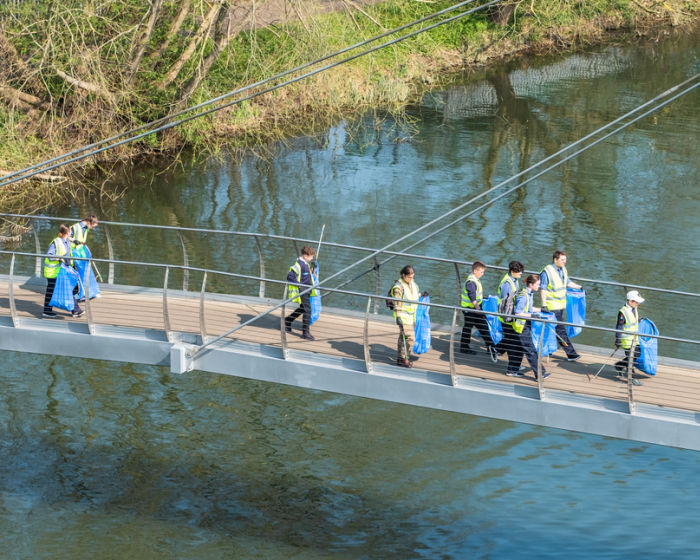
x,y
422,327
648,346
549,344
63,291
575,311
315,300
495,328
87,276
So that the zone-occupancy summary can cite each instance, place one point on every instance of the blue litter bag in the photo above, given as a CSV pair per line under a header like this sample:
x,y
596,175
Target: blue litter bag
x,y
575,311
422,327
87,276
549,344
63,291
495,328
315,300
649,346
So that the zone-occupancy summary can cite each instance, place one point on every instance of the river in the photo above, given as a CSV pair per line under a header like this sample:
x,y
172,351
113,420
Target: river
x,y
122,461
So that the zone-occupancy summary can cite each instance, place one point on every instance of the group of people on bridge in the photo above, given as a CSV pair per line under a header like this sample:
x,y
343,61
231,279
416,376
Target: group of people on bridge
x,y
69,242
552,283
514,301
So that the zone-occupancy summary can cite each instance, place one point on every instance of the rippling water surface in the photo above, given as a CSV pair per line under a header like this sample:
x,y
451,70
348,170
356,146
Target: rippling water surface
x,y
117,461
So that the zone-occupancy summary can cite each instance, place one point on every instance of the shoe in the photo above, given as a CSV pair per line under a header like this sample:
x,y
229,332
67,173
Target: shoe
x,y
287,326
77,312
636,382
49,314
307,336
82,300
545,376
493,354
573,358
523,369
404,363
468,352
515,373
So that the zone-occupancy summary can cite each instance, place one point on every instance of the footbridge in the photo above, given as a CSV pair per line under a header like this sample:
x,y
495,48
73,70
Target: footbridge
x,y
195,319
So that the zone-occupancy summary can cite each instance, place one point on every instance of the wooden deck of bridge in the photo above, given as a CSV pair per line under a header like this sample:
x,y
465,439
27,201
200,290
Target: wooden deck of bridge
x,y
342,335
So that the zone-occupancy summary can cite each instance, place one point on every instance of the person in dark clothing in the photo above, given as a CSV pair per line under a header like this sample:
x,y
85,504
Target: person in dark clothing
x,y
472,297
300,274
524,309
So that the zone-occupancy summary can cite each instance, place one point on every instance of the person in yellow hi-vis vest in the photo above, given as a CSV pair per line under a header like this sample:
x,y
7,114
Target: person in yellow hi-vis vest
x,y
79,230
627,324
299,273
60,249
406,290
554,279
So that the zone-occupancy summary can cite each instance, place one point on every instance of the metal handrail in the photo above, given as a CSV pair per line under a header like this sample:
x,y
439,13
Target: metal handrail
x,y
351,293
301,240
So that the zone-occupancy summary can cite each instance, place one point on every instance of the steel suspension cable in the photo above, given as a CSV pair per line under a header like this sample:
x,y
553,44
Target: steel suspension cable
x,y
535,166
439,218
44,166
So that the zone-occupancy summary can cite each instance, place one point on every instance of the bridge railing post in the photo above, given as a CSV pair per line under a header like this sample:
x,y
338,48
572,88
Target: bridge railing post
x,y
258,247
630,369
88,305
185,262
283,330
377,285
11,293
202,318
365,338
37,248
110,252
540,381
166,315
453,328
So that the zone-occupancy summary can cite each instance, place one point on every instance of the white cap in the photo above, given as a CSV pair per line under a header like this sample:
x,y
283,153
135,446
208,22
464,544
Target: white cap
x,y
633,295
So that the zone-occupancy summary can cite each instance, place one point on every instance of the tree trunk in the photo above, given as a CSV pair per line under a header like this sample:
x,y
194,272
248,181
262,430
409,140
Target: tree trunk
x,y
502,13
174,29
144,38
224,34
201,35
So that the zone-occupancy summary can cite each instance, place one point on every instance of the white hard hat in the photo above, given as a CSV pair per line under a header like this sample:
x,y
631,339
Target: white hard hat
x,y
633,295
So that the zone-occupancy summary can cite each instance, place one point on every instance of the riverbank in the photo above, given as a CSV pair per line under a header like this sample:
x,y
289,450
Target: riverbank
x,y
127,67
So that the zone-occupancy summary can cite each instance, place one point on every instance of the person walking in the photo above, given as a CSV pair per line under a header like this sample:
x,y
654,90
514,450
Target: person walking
x,y
554,279
60,248
627,324
524,310
299,276
79,230
472,297
406,290
507,290
78,238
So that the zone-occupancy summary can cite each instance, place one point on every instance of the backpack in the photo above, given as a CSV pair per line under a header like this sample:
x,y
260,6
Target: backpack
x,y
390,303
505,306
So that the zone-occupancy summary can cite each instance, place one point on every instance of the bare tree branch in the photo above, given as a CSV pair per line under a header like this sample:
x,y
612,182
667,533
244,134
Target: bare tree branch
x,y
144,38
201,35
87,86
174,28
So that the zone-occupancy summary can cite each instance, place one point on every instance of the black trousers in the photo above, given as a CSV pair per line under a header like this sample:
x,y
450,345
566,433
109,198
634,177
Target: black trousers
x,y
303,309
529,348
621,365
563,337
511,344
50,285
474,318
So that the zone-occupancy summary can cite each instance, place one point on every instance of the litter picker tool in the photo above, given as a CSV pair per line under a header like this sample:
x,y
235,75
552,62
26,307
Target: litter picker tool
x,y
97,272
318,247
601,367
